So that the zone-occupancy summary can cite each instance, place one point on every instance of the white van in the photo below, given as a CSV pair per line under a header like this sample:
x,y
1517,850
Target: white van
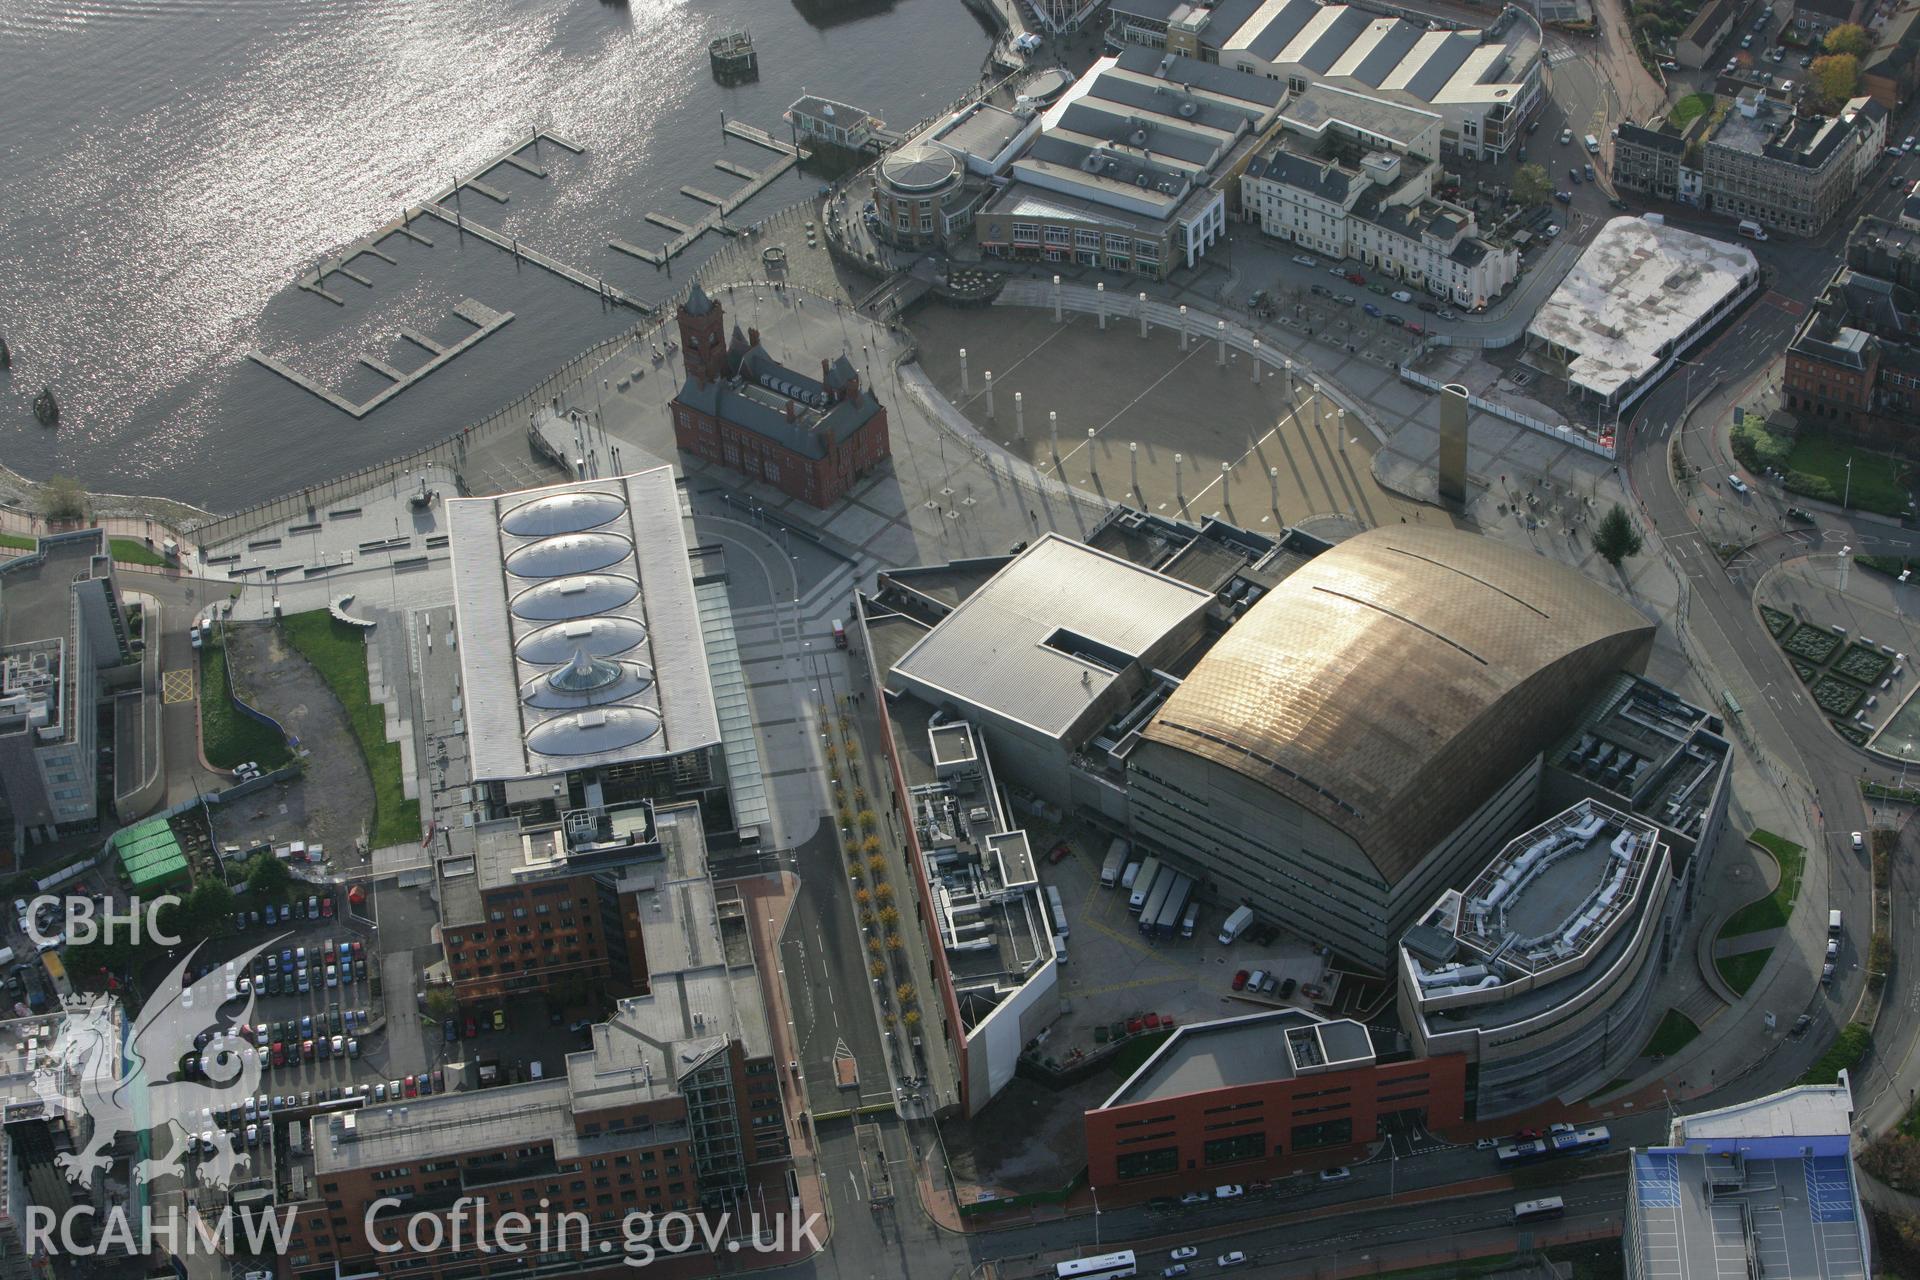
x,y
1833,924
1593,145
1752,230
1059,949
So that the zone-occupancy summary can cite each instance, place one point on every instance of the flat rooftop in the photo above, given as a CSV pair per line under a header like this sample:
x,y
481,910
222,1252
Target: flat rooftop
x,y
1324,105
36,590
1043,639
1636,293
1234,1052
1652,748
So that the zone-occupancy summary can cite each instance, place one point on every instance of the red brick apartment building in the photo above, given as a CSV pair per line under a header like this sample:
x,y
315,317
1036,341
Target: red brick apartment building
x,y
744,410
676,1106
1258,1097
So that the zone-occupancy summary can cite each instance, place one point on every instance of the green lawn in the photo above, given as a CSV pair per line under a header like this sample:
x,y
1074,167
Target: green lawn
x,y
134,551
231,736
1878,479
1673,1034
1741,970
1689,108
339,655
1771,912
18,541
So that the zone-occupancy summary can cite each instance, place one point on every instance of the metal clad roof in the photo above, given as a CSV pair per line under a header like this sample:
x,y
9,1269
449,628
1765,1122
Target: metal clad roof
x,y
1391,683
615,607
993,652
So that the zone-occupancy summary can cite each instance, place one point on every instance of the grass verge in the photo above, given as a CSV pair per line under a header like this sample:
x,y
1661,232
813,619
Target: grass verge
x,y
338,653
1689,109
1741,970
1772,911
134,551
17,541
230,736
1843,1055
1673,1034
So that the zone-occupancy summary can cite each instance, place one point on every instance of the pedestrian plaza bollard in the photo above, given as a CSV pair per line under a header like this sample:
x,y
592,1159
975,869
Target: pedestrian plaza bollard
x,y
1273,481
1143,315
1176,475
963,371
1053,433
988,375
1289,379
1093,459
1183,326
1100,303
1256,361
1056,299
1133,460
1226,474
1220,328
1019,416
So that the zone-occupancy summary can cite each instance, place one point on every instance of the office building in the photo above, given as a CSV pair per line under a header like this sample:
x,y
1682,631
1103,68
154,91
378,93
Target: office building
x,y
584,673
1341,195
1765,1187
1133,167
1790,172
1259,1097
62,633
741,409
674,1106
1641,295
1540,971
1483,84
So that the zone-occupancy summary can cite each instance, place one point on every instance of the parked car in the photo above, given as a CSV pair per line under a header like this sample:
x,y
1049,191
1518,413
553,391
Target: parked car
x,y
1401,295
1431,308
1184,1252
1564,197
1235,1259
1240,980
1737,484
1339,1173
1229,1191
1394,320
1306,260
1354,277
499,1019
1372,309
1566,137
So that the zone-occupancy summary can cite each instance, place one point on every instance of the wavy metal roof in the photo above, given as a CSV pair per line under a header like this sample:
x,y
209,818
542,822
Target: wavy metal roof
x,y
1391,683
561,513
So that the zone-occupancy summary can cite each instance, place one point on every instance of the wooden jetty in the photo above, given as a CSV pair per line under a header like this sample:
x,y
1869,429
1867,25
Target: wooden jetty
x,y
723,206
524,166
474,184
484,319
312,285
538,259
672,224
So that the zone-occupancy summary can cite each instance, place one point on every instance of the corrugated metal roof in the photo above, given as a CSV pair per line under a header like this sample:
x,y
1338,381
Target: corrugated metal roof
x,y
1000,649
638,606
1390,683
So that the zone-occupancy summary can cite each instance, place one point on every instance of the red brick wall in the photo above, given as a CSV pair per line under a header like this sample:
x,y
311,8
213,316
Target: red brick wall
x,y
1274,1108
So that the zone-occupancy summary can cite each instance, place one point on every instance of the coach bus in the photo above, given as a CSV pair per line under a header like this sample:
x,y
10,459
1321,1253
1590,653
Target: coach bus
x,y
1532,1210
1108,1266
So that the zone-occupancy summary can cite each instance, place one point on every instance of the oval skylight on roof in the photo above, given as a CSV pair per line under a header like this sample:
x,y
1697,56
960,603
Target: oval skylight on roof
x,y
599,637
584,733
562,513
603,683
568,553
580,596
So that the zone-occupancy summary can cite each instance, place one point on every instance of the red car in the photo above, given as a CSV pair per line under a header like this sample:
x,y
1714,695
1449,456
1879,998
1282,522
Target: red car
x,y
1057,853
326,906
1526,1135
306,1050
1354,277
1240,980
413,1087
473,1028
279,1053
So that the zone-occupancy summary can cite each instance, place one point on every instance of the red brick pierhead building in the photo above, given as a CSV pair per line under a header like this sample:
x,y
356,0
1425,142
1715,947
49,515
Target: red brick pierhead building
x,y
739,407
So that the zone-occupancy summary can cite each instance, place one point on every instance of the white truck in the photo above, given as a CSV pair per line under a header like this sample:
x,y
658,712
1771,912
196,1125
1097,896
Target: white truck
x,y
1235,925
1115,864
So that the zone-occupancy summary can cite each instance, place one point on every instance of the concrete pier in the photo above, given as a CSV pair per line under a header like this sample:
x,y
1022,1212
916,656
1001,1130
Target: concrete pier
x,y
422,341
671,224
484,319
373,252
723,206
737,170
649,256
704,197
312,285
524,166
352,275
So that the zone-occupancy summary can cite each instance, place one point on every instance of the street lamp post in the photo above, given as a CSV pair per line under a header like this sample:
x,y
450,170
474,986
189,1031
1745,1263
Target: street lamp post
x,y
1847,493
